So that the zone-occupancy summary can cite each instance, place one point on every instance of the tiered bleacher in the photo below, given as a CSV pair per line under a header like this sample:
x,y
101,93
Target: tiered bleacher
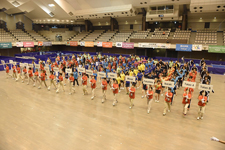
x,y
105,37
36,36
182,34
21,35
159,34
206,37
93,36
79,36
6,36
64,32
122,36
140,34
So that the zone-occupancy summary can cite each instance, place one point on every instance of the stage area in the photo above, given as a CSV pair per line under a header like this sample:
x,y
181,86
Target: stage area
x,y
38,119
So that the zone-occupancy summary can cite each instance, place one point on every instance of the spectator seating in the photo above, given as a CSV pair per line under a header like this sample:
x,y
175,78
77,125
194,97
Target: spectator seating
x,y
206,37
122,36
51,35
6,36
37,37
93,36
139,34
79,36
21,35
182,34
159,34
105,37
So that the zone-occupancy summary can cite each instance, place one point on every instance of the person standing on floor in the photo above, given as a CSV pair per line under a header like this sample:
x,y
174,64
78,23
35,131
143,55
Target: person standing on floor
x,y
132,94
7,71
104,88
149,98
43,79
115,88
60,83
52,80
168,99
36,78
75,75
30,73
14,72
202,99
158,87
71,80
93,86
84,83
186,101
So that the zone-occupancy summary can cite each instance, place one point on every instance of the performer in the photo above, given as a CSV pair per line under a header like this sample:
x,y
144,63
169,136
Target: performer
x,y
84,83
132,95
7,71
104,88
14,72
24,74
93,86
60,83
36,78
43,79
186,101
115,88
158,88
30,73
71,80
201,103
149,98
52,80
18,73
168,97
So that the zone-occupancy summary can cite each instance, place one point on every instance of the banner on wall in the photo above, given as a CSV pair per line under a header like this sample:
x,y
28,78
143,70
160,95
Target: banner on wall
x,y
119,44
128,45
107,44
47,43
68,43
40,43
89,44
99,44
82,43
216,49
28,44
19,44
73,43
147,45
162,45
5,45
197,47
184,47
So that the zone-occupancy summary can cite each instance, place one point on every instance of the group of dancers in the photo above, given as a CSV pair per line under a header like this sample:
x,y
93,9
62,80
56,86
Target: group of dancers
x,y
54,70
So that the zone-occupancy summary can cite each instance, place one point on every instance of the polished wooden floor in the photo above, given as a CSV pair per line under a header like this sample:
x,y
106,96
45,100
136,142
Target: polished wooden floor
x,y
37,119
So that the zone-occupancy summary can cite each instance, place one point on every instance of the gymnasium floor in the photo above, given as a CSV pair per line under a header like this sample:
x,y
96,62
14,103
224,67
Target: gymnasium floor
x,y
33,119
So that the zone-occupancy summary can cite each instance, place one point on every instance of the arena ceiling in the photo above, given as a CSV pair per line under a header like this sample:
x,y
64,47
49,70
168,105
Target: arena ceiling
x,y
73,10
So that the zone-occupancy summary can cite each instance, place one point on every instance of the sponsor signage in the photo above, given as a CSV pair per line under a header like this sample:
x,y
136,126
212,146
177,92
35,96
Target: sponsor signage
x,y
128,45
28,44
56,69
147,45
107,44
189,84
5,45
119,44
99,44
216,49
19,44
68,70
89,44
184,47
197,47
73,43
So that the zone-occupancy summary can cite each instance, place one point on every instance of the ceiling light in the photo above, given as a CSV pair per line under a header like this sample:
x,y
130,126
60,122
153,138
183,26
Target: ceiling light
x,y
71,21
53,20
57,20
48,20
201,18
214,17
51,5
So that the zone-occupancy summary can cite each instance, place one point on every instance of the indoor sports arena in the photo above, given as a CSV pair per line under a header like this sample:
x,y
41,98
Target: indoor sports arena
x,y
112,74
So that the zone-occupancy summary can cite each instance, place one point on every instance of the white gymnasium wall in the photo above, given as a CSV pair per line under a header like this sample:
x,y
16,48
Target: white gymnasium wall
x,y
137,27
201,25
124,27
12,20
